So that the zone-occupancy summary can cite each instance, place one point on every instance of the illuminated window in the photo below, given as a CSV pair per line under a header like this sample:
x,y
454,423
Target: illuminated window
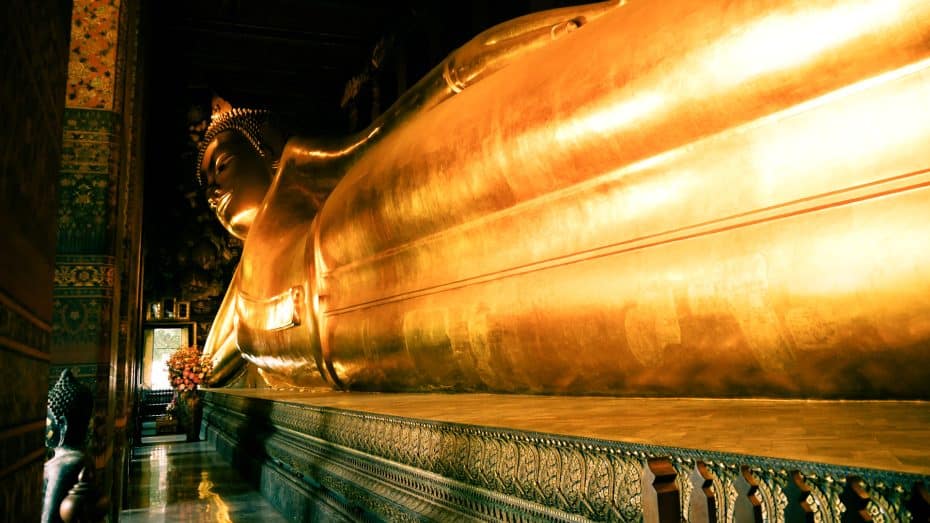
x,y
165,341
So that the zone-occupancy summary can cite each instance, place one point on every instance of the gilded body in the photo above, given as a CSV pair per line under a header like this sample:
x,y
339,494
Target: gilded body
x,y
678,198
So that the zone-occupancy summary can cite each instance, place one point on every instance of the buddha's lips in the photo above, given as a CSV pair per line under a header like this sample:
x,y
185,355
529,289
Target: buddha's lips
x,y
221,203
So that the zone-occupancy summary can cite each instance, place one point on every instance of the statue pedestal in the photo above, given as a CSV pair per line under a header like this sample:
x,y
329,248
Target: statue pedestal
x,y
349,456
192,407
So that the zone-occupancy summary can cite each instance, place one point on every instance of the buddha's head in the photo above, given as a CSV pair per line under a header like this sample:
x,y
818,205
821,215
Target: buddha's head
x,y
70,405
236,163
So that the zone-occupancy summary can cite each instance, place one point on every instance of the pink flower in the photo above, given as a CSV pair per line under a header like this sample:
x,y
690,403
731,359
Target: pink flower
x,y
187,369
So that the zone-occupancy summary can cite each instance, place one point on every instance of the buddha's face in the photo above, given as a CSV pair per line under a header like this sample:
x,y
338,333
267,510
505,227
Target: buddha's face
x,y
52,430
237,178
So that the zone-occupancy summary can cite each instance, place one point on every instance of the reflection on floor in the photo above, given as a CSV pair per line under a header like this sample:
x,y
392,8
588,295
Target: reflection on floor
x,y
190,482
150,435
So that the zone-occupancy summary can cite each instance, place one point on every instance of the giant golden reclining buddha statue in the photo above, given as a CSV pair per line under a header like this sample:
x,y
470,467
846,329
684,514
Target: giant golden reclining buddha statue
x,y
646,198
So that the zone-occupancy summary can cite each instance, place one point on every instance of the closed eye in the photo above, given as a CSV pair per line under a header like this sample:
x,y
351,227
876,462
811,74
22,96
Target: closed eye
x,y
222,162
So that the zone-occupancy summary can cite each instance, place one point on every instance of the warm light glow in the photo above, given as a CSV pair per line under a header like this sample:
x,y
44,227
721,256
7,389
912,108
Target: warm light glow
x,y
205,491
158,475
278,312
317,153
281,316
837,268
638,199
341,369
646,196
763,47
280,364
610,118
698,198
244,218
859,126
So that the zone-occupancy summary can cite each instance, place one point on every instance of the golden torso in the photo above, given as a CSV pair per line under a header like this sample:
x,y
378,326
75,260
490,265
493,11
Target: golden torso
x,y
712,212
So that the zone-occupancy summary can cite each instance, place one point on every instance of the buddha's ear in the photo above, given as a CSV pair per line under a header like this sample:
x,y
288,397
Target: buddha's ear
x,y
52,434
62,424
218,105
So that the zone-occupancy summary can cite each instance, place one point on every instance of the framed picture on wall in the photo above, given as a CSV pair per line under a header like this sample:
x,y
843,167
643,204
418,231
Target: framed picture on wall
x,y
154,311
184,310
168,310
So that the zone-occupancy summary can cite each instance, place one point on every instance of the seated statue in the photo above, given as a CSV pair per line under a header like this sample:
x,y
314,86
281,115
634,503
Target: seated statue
x,y
70,406
670,198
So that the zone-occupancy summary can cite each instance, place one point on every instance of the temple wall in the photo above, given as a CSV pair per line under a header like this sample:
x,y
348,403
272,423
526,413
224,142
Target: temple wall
x,y
33,65
99,186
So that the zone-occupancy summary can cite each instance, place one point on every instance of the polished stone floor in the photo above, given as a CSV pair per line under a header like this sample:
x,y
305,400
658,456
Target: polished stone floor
x,y
190,482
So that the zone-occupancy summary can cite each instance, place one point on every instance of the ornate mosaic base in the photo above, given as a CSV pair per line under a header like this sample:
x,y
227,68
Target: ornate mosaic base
x,y
399,469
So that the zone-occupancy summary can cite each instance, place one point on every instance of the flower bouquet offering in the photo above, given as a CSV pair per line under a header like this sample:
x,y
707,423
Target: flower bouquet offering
x,y
187,369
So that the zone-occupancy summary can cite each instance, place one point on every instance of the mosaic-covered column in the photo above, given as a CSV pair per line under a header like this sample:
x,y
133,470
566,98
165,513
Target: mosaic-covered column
x,y
33,62
96,269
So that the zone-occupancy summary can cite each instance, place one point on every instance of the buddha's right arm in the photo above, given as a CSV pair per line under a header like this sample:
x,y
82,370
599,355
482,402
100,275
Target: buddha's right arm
x,y
221,346
483,55
509,41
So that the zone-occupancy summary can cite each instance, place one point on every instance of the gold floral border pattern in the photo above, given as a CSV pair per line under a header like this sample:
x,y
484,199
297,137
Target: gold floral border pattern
x,y
98,276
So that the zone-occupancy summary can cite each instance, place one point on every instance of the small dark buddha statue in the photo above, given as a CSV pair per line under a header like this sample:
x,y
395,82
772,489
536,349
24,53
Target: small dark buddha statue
x,y
69,409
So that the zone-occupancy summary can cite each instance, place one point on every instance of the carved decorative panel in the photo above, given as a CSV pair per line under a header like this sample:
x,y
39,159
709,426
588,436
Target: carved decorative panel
x,y
399,468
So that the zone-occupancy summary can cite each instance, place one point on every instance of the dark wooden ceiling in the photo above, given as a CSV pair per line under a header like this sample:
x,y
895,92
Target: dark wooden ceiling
x,y
297,55
293,56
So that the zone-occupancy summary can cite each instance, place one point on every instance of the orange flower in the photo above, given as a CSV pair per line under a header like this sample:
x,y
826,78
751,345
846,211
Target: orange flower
x,y
187,369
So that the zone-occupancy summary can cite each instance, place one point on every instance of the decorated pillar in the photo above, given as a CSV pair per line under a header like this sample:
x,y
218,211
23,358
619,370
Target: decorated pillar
x,y
96,267
34,36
